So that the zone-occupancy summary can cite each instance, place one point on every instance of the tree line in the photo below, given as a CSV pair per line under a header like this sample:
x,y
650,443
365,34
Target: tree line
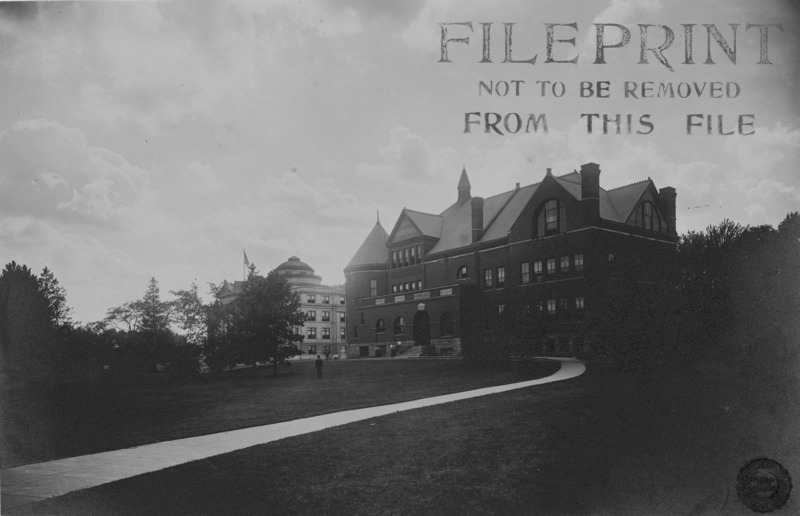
x,y
730,293
182,335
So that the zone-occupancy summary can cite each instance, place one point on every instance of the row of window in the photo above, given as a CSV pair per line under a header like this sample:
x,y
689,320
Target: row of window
x,y
497,277
311,333
551,306
326,349
407,287
563,304
563,264
445,326
311,315
326,300
406,257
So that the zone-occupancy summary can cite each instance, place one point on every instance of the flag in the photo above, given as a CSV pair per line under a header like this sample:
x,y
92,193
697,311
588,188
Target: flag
x,y
246,261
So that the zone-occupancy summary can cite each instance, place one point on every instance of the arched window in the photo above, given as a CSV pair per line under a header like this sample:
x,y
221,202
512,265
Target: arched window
x,y
463,272
647,216
399,326
551,219
380,327
446,324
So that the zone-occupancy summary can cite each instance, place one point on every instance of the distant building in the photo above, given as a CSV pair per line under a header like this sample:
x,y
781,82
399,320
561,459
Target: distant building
x,y
539,248
324,306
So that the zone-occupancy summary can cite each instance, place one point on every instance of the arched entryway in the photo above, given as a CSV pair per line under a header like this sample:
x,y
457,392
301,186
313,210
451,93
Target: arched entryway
x,y
422,328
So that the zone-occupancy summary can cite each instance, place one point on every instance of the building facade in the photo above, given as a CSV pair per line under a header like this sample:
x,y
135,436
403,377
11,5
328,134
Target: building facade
x,y
324,306
540,251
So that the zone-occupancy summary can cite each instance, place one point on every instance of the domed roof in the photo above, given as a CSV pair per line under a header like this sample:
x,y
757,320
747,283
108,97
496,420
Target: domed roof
x,y
294,265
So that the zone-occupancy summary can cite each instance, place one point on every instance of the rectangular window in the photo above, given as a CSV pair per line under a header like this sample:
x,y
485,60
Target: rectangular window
x,y
419,253
551,266
578,261
326,316
405,257
311,333
562,304
311,298
487,278
394,259
312,350
419,285
537,268
579,303
373,288
341,316
394,289
342,300
500,309
525,272
551,306
341,334
551,215
501,277
311,315
326,333
326,300
413,255
565,264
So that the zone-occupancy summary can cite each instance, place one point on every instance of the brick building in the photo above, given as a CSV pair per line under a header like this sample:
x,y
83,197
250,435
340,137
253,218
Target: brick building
x,y
540,249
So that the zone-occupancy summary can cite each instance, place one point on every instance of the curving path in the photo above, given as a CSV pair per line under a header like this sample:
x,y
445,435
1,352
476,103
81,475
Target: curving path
x,y
34,482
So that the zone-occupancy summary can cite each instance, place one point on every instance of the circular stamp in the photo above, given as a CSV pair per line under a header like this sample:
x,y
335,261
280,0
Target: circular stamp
x,y
763,485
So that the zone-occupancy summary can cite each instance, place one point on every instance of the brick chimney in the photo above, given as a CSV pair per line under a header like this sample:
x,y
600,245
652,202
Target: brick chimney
x,y
668,196
590,192
477,218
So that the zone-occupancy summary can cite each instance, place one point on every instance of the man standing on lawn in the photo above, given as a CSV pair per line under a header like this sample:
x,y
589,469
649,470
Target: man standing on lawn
x,y
318,364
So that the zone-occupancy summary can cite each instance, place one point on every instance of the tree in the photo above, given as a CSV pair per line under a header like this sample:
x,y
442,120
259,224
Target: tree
x,y
26,329
147,339
56,296
157,315
264,319
126,317
191,315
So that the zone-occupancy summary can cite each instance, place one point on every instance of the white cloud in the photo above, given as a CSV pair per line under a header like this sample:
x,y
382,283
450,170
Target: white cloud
x,y
50,171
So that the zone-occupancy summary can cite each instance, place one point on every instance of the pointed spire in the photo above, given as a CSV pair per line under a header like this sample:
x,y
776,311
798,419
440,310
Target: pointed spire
x,y
463,186
379,215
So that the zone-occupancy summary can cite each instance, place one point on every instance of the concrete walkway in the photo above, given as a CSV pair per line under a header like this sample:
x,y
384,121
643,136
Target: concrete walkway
x,y
35,482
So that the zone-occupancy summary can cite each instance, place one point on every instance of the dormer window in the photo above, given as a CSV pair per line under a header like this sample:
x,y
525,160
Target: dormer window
x,y
647,216
551,219
406,257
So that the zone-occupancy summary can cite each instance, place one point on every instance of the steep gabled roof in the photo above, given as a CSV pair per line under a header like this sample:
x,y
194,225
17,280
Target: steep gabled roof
x,y
456,227
453,227
428,224
625,198
373,249
501,223
571,183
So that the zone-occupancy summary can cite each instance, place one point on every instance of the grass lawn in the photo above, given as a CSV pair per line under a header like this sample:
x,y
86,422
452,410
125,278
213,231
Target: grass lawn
x,y
46,422
603,443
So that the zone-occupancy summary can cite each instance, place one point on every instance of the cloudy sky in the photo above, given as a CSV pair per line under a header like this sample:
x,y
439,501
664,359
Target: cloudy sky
x,y
162,139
